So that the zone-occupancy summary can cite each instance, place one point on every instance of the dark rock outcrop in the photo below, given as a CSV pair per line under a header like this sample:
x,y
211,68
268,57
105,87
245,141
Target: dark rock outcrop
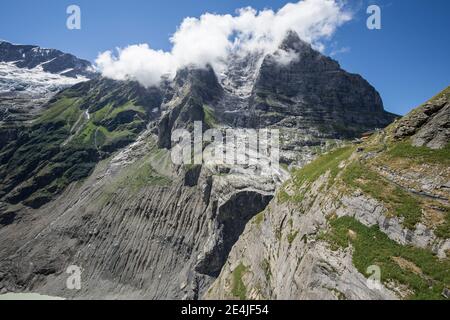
x,y
314,91
190,91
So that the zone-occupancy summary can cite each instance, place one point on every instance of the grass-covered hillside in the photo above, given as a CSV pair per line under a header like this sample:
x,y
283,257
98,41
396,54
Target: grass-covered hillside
x,y
78,127
380,203
410,181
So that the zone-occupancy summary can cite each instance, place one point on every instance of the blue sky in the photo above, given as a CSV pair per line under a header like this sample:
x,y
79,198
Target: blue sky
x,y
407,60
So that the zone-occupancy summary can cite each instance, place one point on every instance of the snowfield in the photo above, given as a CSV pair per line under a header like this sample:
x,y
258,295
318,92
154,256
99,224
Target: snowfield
x,y
33,82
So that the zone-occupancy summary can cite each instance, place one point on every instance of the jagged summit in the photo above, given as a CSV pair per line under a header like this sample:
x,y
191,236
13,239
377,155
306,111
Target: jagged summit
x,y
293,41
302,51
316,90
296,85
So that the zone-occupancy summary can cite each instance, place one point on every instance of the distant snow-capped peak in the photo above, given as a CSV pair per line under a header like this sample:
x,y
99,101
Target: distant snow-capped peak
x,y
34,82
51,60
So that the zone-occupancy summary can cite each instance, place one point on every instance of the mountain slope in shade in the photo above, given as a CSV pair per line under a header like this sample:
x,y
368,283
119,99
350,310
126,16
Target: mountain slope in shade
x,y
79,127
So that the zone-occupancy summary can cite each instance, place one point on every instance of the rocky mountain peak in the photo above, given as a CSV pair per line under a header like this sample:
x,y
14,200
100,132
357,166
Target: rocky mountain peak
x,y
204,80
292,41
316,90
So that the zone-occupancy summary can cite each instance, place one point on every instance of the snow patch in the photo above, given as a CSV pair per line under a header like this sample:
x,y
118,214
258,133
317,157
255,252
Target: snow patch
x,y
35,82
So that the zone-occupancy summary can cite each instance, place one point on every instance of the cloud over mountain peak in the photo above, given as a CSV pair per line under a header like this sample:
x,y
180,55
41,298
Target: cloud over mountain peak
x,y
211,38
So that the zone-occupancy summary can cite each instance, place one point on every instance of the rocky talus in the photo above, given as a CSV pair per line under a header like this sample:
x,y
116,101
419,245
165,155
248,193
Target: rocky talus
x,y
136,227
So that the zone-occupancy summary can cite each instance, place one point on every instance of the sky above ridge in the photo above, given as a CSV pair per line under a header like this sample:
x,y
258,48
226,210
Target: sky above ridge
x,y
407,61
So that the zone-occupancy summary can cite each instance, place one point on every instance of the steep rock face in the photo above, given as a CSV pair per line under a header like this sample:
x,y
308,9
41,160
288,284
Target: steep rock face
x,y
307,96
380,208
298,87
315,91
185,99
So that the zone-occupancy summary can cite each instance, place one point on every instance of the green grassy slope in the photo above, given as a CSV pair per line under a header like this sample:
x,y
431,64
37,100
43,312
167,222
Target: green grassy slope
x,y
362,168
80,126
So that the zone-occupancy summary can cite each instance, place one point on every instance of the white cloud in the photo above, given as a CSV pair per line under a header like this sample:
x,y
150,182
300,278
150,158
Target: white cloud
x,y
342,50
137,62
212,37
285,57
